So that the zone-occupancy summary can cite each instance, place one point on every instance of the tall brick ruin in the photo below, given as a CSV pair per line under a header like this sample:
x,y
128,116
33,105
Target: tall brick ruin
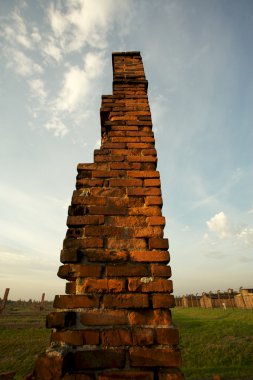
x,y
115,321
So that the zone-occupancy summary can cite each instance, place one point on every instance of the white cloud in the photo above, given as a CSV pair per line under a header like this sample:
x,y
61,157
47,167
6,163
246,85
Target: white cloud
x,y
21,64
58,127
220,225
246,235
37,89
52,50
87,22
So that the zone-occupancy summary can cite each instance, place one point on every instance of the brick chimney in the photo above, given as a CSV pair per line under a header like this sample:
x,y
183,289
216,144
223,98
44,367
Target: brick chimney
x,y
115,321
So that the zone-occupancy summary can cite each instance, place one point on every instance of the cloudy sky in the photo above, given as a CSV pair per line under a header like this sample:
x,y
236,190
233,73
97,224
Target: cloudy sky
x,y
56,64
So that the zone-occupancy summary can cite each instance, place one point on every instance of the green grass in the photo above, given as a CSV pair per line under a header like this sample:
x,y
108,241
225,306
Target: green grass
x,y
215,341
212,341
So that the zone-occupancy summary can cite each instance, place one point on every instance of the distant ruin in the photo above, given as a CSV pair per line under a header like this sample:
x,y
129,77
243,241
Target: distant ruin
x,y
115,321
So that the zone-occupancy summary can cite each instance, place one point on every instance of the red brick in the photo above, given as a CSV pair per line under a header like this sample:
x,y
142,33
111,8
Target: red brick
x,y
96,359
125,165
94,242
121,244
150,256
101,286
142,159
126,221
125,182
71,271
160,270
125,139
140,133
106,255
156,220
149,152
78,221
114,145
52,366
158,243
119,152
152,182
91,166
105,231
75,301
150,318
171,374
125,270
107,173
118,202
60,319
150,201
104,318
139,145
76,337
142,336
161,301
108,192
126,301
148,232
127,375
104,210
140,191
115,158
116,337
147,211
77,376
124,128
99,201
143,174
89,182
149,285
70,256
169,335
148,357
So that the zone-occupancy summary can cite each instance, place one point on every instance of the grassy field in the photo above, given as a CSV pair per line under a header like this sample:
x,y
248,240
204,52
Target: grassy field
x,y
216,341
212,341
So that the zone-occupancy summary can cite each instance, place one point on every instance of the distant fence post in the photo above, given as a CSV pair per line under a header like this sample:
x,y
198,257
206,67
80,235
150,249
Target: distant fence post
x,y
42,301
2,307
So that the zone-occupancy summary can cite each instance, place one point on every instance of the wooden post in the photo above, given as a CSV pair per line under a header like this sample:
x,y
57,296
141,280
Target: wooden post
x,y
42,301
2,307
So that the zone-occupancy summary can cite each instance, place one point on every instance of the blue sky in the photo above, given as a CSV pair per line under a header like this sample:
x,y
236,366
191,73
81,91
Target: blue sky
x,y
55,65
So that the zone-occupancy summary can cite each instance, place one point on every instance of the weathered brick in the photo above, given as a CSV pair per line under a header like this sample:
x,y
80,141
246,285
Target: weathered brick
x,y
126,301
127,375
141,191
152,182
148,232
104,318
79,200
127,221
76,337
150,318
116,337
159,357
71,271
163,301
89,182
103,285
142,336
149,285
158,243
77,221
78,376
107,210
96,359
108,192
167,335
105,231
106,255
143,174
70,256
153,200
147,211
156,220
171,374
126,270
160,270
113,243
107,173
125,165
53,366
60,319
150,256
125,182
75,301
141,159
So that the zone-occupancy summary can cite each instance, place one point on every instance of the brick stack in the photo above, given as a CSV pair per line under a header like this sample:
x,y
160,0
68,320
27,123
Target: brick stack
x,y
115,320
